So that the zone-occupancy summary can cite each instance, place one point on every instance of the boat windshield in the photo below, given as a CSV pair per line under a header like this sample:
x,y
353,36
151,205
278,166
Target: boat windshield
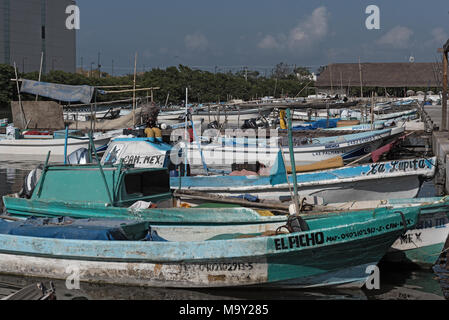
x,y
147,183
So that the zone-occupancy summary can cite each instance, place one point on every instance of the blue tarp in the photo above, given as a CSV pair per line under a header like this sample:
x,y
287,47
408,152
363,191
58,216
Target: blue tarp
x,y
67,228
319,124
60,92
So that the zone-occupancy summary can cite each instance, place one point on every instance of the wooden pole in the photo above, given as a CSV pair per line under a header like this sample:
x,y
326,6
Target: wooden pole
x,y
372,110
444,100
40,71
166,101
292,160
20,98
134,90
186,134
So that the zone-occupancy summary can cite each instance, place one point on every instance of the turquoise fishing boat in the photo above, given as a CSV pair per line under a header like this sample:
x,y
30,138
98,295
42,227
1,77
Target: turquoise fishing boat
x,y
422,244
337,250
144,194
121,192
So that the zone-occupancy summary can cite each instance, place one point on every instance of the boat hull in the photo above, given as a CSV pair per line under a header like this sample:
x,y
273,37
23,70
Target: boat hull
x,y
350,148
423,244
335,191
325,256
377,181
43,146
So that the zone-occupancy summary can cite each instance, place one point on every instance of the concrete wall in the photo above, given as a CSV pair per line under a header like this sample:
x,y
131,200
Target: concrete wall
x,y
21,35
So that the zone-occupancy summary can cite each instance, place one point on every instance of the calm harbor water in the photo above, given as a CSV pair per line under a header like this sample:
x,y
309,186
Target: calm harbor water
x,y
396,281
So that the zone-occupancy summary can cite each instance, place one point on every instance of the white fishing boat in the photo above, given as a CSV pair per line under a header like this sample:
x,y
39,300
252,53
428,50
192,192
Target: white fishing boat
x,y
349,147
84,115
231,115
347,114
39,145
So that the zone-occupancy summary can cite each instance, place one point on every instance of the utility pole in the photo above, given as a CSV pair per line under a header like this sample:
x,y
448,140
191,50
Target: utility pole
x,y
23,64
361,84
99,65
112,67
445,51
134,90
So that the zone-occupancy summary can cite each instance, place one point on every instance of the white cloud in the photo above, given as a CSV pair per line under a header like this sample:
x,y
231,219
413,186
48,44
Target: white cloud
x,y
439,36
398,37
269,42
196,41
308,32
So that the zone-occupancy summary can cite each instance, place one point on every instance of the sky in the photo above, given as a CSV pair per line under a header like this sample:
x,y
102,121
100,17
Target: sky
x,y
257,34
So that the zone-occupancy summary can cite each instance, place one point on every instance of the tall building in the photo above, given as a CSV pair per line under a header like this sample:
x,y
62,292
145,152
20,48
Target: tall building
x,y
29,28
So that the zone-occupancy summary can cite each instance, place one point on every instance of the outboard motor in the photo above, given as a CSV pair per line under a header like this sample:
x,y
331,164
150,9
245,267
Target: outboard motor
x,y
80,156
213,125
30,182
249,124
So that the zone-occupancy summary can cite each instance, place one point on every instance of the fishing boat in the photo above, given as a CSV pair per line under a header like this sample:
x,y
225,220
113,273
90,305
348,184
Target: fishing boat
x,y
231,150
373,181
131,193
231,115
39,143
422,244
336,250
347,114
87,115
221,114
144,195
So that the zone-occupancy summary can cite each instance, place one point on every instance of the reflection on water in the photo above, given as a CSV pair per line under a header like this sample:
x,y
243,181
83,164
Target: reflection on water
x,y
397,282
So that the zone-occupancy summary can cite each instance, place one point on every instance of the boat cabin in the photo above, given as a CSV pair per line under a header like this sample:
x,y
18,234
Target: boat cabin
x,y
139,152
118,186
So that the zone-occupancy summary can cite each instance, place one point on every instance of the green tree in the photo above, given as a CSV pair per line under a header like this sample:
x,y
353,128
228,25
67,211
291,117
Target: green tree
x,y
7,87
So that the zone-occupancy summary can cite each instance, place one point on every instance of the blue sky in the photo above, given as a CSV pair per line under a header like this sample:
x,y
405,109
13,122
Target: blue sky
x,y
258,34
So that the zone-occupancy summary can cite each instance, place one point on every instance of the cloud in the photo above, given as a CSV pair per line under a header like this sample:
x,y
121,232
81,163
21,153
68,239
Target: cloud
x,y
269,42
196,42
308,32
398,37
439,36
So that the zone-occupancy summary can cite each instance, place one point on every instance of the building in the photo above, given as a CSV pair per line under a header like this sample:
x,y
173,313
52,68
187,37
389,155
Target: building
x,y
29,28
395,78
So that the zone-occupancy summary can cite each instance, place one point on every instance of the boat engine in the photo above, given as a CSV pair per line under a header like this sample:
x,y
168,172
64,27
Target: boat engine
x,y
30,182
80,156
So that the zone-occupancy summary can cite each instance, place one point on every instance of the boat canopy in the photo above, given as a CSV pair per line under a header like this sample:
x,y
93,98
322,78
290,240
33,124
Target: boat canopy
x,y
110,185
57,91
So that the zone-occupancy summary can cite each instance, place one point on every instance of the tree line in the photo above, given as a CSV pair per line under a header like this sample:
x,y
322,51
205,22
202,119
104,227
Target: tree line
x,y
204,86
